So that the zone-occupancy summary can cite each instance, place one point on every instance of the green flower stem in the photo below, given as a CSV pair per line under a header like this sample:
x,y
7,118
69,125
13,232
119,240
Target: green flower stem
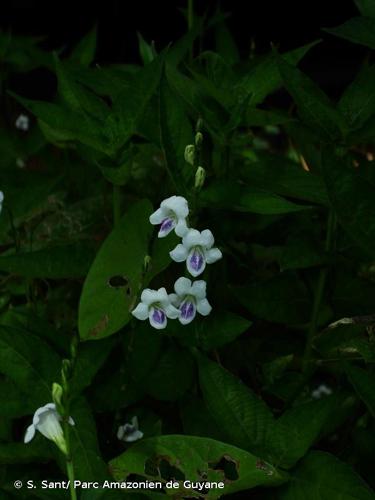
x,y
69,461
190,17
319,292
116,205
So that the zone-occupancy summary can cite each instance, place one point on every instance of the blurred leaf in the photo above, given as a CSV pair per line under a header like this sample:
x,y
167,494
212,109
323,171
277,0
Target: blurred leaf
x,y
195,458
363,382
313,105
321,476
29,362
104,308
282,299
242,198
359,30
84,52
358,101
60,262
225,44
197,420
146,50
38,450
366,7
243,418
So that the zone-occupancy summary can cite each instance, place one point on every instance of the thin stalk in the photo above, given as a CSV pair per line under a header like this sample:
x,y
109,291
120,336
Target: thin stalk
x,y
318,297
190,21
69,461
116,205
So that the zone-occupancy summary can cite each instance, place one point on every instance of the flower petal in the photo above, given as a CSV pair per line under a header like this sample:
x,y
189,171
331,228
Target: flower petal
x,y
177,204
182,286
213,255
198,289
134,436
149,296
179,254
203,307
171,311
71,421
141,311
196,261
207,238
174,300
158,318
181,228
191,238
39,412
187,312
29,434
134,422
158,216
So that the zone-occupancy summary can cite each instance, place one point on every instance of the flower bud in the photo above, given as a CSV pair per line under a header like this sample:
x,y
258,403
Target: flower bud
x,y
57,395
200,176
190,154
198,139
199,125
146,263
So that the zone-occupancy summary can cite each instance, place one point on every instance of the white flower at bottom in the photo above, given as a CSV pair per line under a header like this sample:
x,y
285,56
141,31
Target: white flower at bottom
x,y
171,215
156,306
130,432
190,298
47,421
23,122
322,390
196,249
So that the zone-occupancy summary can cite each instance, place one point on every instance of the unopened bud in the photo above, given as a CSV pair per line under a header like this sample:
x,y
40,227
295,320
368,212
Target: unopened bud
x,y
65,373
200,176
198,139
57,395
74,347
146,263
190,154
199,125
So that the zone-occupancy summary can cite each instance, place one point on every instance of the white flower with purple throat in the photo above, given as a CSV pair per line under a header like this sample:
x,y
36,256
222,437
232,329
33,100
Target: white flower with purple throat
x,y
196,249
156,306
130,432
190,298
171,215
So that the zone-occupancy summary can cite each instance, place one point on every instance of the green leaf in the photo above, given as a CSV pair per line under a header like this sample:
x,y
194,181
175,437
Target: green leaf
x,y
359,30
358,101
195,458
366,7
263,76
363,382
143,353
15,403
313,105
38,450
286,178
88,464
353,198
105,308
244,419
84,52
29,362
282,299
146,50
298,428
173,365
59,262
197,420
321,476
226,45
242,198
175,130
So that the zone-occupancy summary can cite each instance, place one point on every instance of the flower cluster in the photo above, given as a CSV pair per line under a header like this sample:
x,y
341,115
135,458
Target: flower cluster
x,y
197,250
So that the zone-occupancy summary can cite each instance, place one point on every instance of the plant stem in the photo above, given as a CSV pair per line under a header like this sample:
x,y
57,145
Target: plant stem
x,y
116,205
190,14
319,292
69,461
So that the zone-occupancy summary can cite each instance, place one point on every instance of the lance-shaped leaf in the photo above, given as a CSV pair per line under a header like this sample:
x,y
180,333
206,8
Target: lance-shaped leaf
x,y
359,30
364,384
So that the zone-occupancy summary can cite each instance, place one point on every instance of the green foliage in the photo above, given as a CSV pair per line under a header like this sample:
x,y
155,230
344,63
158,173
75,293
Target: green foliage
x,y
253,394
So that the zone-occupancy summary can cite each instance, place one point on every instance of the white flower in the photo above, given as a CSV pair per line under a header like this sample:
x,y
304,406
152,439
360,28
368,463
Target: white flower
x,y
156,306
196,249
23,122
1,200
190,298
322,390
171,215
47,421
130,432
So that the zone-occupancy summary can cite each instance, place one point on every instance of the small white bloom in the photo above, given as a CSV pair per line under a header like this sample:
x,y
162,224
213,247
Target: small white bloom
x,y
130,432
47,421
20,163
190,298
196,249
1,200
322,390
156,306
171,215
23,122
